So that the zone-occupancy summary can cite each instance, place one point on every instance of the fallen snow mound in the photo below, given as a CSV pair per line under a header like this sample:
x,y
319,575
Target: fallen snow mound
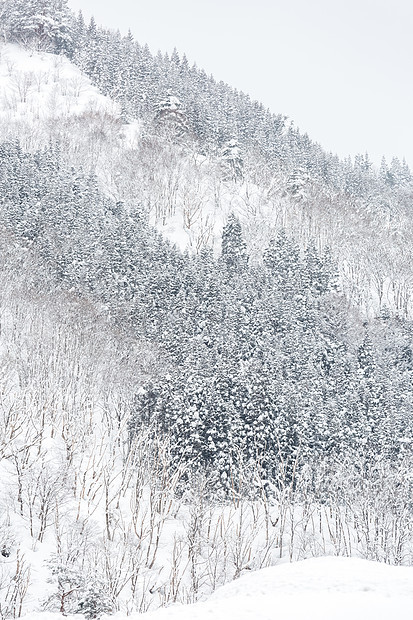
x,y
316,589
326,588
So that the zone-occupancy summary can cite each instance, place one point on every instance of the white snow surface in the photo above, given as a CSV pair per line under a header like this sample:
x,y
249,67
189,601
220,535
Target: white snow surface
x,y
322,588
36,86
329,588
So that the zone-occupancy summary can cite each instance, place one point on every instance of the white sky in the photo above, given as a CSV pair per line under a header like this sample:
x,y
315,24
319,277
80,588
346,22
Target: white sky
x,y
342,70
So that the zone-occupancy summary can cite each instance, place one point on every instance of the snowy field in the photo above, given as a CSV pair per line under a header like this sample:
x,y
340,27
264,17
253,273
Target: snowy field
x,y
317,589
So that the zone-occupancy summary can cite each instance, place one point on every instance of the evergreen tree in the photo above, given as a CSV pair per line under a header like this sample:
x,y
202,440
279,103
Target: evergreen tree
x,y
170,117
231,161
282,259
45,23
234,249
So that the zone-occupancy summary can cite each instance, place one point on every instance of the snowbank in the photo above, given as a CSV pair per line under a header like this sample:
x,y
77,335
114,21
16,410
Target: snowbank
x,y
317,589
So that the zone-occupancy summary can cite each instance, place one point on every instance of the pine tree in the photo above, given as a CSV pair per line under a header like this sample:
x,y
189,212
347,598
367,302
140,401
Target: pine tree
x,y
234,249
170,117
45,23
94,600
231,161
282,259
319,272
297,183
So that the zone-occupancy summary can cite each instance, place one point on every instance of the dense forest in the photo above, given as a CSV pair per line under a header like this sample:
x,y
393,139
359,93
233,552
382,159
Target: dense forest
x,y
270,364
261,361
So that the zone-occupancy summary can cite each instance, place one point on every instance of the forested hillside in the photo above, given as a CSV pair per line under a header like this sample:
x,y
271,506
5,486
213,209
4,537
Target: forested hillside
x,y
206,149
205,330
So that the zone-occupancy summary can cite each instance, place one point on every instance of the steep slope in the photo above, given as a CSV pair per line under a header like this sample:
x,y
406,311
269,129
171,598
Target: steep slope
x,y
258,165
153,161
40,92
173,420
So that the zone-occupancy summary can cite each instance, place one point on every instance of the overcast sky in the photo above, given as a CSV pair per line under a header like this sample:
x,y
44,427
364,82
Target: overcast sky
x,y
340,69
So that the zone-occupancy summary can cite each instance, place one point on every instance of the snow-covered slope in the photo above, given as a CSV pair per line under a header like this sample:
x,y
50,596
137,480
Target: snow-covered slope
x,y
328,588
37,86
319,589
45,98
323,588
69,480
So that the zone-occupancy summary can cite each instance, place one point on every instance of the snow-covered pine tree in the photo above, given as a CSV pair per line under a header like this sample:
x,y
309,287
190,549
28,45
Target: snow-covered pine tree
x,y
234,249
231,161
282,259
47,24
170,116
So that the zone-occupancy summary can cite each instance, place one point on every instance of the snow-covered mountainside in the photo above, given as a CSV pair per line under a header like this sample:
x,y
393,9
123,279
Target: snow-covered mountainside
x,y
206,345
188,194
42,95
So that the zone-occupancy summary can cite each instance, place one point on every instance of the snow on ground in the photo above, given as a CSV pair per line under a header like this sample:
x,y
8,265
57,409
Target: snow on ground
x,y
35,86
323,588
328,588
45,98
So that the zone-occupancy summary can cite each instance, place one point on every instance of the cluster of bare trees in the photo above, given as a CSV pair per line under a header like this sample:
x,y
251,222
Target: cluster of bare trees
x,y
181,188
120,524
187,191
129,527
